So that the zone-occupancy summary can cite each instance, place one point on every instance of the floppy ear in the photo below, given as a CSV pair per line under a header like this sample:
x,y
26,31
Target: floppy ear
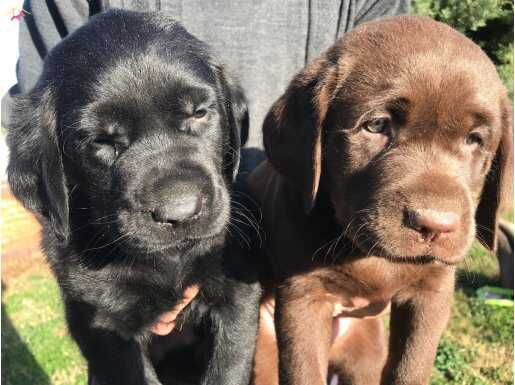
x,y
238,119
498,184
35,169
292,130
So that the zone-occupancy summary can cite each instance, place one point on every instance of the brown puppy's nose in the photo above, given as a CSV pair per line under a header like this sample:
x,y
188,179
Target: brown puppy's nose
x,y
432,223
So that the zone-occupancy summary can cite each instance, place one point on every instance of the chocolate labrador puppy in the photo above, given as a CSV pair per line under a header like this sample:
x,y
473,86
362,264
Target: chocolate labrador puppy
x,y
386,157
126,150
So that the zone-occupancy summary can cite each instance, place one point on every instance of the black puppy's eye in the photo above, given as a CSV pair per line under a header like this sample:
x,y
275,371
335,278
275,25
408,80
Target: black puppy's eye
x,y
200,113
107,148
474,139
377,126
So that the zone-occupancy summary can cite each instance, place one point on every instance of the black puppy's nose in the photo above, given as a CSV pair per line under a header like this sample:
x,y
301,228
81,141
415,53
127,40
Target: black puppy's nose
x,y
432,223
181,205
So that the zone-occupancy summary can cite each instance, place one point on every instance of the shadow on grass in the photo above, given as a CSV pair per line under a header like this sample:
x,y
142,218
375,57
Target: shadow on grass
x,y
19,367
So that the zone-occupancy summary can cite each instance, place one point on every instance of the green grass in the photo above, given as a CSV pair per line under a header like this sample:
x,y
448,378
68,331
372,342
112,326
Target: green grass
x,y
476,348
36,349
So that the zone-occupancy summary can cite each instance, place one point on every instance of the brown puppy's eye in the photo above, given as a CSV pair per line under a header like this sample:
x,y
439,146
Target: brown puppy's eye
x,y
474,138
200,113
377,126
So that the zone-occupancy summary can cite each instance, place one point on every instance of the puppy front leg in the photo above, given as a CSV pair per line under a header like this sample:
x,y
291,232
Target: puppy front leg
x,y
417,323
112,359
117,361
115,371
234,326
304,326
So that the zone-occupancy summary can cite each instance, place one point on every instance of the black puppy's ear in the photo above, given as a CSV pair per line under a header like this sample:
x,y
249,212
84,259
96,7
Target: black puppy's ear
x,y
498,184
238,119
292,130
35,169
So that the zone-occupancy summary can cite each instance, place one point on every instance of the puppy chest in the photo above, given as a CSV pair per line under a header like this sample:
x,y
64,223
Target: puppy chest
x,y
364,289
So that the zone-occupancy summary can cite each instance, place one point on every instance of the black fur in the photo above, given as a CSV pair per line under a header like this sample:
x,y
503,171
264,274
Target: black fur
x,y
101,144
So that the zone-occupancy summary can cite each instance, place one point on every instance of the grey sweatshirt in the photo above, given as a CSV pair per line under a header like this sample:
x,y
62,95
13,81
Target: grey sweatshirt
x,y
264,43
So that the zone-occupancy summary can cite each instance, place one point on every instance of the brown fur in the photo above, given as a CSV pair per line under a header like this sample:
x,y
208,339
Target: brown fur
x,y
338,200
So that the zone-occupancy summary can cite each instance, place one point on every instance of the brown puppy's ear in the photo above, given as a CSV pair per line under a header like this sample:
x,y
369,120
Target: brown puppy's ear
x,y
35,169
498,184
292,130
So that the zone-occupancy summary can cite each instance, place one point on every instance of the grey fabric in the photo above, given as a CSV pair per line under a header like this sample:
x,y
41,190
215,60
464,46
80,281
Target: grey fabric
x,y
46,23
264,43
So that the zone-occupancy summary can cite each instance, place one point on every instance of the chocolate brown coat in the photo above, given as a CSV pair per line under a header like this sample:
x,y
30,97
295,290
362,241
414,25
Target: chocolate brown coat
x,y
386,157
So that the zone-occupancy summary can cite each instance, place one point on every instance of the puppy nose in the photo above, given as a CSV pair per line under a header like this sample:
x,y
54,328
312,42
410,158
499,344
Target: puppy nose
x,y
179,207
432,223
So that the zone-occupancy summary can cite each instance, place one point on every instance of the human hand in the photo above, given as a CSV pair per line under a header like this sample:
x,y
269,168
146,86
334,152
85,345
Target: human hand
x,y
166,322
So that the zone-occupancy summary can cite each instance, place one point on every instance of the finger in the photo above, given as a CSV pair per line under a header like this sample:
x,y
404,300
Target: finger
x,y
168,317
189,294
162,328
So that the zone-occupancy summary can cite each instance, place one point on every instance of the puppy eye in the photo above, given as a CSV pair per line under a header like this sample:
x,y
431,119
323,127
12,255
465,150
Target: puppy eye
x,y
107,148
377,126
200,113
474,138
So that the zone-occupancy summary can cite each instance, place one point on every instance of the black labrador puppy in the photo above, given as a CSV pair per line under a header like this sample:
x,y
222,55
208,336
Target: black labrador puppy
x,y
125,150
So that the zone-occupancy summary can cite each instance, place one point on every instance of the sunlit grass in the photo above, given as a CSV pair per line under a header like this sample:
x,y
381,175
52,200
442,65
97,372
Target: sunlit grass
x,y
36,348
477,346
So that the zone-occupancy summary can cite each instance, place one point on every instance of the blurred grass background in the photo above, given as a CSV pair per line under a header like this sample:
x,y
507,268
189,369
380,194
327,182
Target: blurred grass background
x,y
476,349
477,346
36,347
